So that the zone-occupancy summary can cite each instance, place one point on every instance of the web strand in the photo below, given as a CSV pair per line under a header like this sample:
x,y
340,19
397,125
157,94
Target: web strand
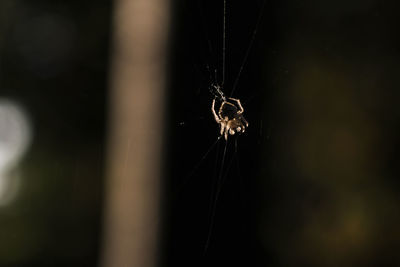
x,y
253,37
195,168
224,45
214,206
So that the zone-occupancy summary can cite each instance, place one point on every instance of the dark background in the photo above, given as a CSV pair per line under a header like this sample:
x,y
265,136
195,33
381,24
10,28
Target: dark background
x,y
194,174
312,182
54,63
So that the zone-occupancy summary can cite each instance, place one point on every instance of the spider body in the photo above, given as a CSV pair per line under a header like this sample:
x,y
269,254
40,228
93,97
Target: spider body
x,y
230,116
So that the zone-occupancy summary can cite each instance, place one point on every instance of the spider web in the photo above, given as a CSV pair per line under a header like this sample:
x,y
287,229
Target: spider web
x,y
212,172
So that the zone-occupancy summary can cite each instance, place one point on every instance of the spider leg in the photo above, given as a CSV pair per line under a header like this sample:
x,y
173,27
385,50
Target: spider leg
x,y
244,122
222,125
239,104
226,132
220,110
217,119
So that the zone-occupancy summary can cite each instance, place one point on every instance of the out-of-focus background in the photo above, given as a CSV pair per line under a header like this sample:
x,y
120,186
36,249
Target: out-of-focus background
x,y
314,181
53,73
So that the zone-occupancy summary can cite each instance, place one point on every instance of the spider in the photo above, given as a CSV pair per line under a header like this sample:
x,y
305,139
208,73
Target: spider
x,y
230,116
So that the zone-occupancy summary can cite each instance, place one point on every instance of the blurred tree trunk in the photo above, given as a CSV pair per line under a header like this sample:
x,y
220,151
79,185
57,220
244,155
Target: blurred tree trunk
x,y
136,133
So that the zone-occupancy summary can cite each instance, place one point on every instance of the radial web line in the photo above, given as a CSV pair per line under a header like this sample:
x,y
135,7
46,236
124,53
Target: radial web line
x,y
248,48
199,163
214,207
224,45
